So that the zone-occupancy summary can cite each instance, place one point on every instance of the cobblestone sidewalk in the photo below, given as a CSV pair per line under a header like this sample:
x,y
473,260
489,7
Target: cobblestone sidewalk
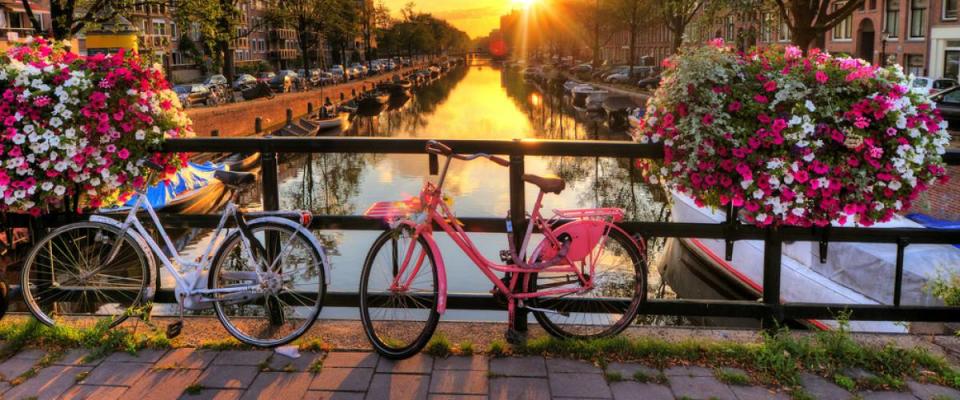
x,y
193,374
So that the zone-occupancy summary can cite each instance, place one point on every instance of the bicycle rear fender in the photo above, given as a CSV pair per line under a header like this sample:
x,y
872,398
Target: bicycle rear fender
x,y
585,234
151,257
309,235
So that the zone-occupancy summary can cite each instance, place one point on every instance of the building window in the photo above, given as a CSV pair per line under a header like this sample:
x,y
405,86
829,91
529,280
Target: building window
x,y
843,30
915,64
951,64
730,33
950,9
766,28
784,30
918,18
176,58
892,18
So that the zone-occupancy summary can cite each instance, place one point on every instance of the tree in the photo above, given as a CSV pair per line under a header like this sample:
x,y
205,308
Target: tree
x,y
70,17
677,15
809,20
634,13
219,25
308,18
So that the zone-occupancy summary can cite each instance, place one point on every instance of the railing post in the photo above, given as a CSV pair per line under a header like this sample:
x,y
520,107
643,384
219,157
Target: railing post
x,y
309,107
289,116
215,133
772,256
269,197
258,125
518,218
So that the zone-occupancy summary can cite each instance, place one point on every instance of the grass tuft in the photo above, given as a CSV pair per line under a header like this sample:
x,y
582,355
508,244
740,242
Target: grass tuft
x,y
193,389
498,349
613,376
465,348
439,346
732,377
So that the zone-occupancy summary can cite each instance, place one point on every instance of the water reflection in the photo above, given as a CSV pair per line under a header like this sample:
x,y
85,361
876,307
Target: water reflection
x,y
469,102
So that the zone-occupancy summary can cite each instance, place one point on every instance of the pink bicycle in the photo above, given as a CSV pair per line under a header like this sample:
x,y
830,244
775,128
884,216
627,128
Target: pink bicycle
x,y
585,279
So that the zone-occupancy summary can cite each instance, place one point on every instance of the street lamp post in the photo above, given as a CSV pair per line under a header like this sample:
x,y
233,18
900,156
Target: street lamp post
x,y
884,36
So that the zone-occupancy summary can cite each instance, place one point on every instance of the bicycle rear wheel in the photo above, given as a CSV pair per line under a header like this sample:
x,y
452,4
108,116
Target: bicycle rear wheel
x,y
69,272
285,301
620,286
399,322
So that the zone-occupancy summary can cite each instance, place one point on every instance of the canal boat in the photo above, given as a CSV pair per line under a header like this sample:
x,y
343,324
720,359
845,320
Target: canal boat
x,y
192,190
323,123
580,95
618,108
594,102
854,273
569,85
373,99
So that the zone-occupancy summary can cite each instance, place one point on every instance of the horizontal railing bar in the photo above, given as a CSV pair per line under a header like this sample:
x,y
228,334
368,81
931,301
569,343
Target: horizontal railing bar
x,y
647,229
595,148
530,147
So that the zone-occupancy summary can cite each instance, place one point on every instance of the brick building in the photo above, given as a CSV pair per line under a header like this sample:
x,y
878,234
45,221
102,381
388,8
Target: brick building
x,y
15,26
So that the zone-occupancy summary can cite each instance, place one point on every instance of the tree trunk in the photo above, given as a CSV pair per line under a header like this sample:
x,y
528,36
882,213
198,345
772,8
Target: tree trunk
x,y
804,37
229,67
596,35
676,41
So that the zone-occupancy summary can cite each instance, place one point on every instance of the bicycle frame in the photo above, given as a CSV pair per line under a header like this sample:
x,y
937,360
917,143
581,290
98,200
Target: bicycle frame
x,y
435,211
186,282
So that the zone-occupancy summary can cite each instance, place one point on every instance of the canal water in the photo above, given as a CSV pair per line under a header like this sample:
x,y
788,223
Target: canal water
x,y
474,101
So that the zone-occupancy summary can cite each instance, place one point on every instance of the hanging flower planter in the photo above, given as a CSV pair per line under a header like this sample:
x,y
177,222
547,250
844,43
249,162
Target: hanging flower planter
x,y
791,139
75,130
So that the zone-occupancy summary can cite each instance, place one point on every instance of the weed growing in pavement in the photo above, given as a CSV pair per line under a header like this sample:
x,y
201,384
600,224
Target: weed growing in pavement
x,y
778,359
439,346
731,377
498,348
229,343
193,389
613,376
464,348
845,382
316,345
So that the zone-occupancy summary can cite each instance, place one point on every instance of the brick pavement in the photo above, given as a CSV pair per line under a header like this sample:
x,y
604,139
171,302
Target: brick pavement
x,y
194,374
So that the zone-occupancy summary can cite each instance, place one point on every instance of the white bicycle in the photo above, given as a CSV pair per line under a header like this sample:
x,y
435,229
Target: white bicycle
x,y
265,279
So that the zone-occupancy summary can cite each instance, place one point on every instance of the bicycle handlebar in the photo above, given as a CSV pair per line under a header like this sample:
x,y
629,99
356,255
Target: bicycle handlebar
x,y
435,147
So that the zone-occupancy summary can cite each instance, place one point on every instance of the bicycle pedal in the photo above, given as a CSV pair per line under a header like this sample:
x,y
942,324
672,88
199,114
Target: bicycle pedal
x,y
173,330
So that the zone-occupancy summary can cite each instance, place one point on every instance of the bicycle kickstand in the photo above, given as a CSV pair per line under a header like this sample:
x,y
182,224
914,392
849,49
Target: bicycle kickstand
x,y
173,330
512,335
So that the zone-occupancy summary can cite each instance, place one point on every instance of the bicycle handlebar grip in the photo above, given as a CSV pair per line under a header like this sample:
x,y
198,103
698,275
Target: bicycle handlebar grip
x,y
500,161
436,147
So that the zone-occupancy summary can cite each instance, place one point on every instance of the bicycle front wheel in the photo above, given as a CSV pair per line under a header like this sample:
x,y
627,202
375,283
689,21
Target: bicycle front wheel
x,y
268,307
398,294
619,287
70,272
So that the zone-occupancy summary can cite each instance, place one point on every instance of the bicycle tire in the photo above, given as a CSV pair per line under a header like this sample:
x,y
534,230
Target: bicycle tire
x,y
377,340
628,314
232,323
134,273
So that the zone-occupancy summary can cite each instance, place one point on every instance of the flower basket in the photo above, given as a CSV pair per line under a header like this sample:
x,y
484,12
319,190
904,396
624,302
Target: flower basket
x,y
76,130
792,139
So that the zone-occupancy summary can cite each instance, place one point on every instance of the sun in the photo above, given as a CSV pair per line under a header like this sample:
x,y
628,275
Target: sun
x,y
525,4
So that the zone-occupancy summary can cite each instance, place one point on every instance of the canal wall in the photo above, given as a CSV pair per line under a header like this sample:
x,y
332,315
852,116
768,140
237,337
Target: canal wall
x,y
238,119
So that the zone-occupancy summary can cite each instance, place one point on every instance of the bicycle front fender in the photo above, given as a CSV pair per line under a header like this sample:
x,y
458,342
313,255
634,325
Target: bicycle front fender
x,y
140,241
309,235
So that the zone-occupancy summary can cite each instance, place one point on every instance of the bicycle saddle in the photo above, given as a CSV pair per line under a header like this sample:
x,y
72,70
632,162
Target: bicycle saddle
x,y
549,184
235,178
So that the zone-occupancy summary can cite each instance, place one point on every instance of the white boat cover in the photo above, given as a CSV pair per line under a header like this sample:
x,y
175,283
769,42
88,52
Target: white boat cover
x,y
855,273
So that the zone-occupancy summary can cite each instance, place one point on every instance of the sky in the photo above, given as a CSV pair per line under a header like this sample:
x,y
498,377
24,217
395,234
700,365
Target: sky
x,y
476,17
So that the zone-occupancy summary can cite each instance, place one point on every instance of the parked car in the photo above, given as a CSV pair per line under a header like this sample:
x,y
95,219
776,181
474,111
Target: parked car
x,y
623,75
930,86
284,81
582,69
948,102
244,81
266,77
339,73
193,94
649,83
361,69
216,81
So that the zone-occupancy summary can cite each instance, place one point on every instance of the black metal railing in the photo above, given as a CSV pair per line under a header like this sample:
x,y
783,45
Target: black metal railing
x,y
770,309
